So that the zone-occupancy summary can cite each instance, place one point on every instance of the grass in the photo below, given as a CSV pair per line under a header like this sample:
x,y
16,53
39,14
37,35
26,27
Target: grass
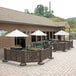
x,y
71,30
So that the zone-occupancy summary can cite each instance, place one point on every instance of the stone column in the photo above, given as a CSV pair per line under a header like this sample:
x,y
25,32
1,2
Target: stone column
x,y
28,39
52,35
45,36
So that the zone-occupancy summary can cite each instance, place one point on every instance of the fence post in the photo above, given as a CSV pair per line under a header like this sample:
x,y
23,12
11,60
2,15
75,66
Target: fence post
x,y
51,53
5,55
40,60
23,60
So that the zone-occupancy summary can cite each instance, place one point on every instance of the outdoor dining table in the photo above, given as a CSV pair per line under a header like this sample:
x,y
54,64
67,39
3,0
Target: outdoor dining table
x,y
16,47
34,49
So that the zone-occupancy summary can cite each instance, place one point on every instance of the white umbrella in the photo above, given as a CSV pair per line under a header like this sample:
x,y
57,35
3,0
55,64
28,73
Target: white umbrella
x,y
61,32
2,32
38,33
16,33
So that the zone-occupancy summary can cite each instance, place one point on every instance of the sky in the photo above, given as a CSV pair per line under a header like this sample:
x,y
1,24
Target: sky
x,y
62,8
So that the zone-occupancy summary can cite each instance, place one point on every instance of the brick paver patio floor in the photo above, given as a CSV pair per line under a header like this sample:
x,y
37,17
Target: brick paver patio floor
x,y
63,64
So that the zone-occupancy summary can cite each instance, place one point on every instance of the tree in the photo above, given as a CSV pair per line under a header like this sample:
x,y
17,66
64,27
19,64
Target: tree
x,y
52,11
47,13
39,10
45,9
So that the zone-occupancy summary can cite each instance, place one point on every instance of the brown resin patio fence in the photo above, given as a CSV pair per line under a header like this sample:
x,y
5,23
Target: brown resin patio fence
x,y
62,45
27,56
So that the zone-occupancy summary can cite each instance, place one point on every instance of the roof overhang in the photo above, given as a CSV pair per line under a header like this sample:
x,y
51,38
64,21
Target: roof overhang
x,y
12,22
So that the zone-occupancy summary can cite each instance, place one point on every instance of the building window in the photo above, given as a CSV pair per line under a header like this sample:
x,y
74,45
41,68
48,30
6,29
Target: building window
x,y
50,35
20,41
33,38
43,37
47,35
53,35
38,38
59,37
